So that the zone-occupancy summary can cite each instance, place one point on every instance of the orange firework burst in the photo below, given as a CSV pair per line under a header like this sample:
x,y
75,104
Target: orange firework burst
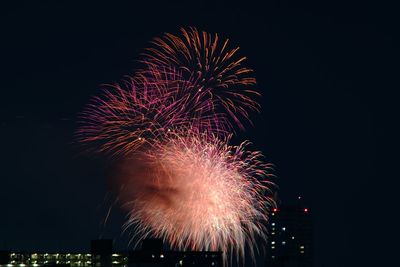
x,y
211,66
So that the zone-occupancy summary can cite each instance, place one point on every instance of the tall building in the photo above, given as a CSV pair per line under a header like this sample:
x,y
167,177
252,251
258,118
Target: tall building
x,y
290,237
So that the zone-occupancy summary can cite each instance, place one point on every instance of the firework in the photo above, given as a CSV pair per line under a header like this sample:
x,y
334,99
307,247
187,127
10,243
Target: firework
x,y
215,70
143,109
171,122
197,192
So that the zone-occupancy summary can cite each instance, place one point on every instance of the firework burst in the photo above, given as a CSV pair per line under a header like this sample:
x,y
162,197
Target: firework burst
x,y
202,194
214,69
143,109
172,123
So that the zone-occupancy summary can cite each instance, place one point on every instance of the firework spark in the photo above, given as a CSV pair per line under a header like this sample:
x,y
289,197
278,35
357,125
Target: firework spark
x,y
200,193
213,68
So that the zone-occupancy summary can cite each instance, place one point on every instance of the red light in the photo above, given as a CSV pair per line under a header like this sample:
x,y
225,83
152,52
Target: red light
x,y
305,210
275,210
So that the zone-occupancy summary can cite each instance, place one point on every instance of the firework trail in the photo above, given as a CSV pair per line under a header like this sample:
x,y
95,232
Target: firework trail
x,y
199,193
214,69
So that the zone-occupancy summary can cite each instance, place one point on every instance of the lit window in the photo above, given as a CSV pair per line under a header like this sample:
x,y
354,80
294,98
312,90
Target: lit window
x,y
273,256
302,247
292,237
283,228
162,256
283,242
273,242
152,255
273,233
273,247
273,224
302,251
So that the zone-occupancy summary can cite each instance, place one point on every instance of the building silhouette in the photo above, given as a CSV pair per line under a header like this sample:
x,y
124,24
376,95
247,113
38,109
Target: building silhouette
x,y
290,242
102,253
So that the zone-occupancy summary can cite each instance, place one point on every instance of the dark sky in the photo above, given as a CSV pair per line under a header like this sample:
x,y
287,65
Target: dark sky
x,y
326,71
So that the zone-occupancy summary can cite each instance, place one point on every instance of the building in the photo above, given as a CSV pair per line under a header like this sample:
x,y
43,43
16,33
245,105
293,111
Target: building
x,y
290,237
4,257
152,254
102,251
101,255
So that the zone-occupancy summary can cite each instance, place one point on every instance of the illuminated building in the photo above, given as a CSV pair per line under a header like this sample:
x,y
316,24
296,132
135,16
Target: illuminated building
x,y
290,237
102,255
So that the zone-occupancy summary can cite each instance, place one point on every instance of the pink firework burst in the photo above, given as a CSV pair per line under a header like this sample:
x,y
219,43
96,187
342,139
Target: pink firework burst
x,y
199,193
143,109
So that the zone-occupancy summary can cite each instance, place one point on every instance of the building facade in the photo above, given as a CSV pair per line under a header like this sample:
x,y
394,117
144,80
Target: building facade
x,y
290,241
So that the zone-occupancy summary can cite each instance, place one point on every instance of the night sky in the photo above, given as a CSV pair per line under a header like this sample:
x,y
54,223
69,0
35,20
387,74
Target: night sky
x,y
326,72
